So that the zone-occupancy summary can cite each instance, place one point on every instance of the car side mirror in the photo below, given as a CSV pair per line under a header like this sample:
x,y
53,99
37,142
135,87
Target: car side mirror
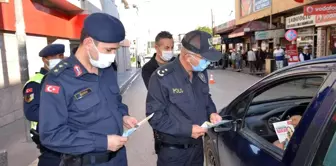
x,y
226,126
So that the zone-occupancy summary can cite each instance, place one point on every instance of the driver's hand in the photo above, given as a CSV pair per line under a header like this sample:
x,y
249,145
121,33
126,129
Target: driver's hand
x,y
295,119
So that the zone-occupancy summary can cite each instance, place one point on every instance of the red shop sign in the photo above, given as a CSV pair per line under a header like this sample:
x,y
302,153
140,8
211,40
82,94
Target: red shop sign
x,y
292,52
319,9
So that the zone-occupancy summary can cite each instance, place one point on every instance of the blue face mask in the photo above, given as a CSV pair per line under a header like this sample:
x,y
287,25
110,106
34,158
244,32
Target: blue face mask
x,y
202,65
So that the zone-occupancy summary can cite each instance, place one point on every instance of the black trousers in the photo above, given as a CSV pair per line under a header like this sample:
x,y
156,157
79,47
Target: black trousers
x,y
192,156
49,159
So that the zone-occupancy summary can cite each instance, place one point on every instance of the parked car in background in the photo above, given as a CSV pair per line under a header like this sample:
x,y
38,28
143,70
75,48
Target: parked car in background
x,y
307,89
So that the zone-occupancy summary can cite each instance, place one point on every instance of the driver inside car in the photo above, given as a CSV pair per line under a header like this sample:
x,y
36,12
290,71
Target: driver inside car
x,y
295,121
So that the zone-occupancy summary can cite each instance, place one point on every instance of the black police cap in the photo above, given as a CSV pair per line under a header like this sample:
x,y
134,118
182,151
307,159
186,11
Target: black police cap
x,y
104,28
200,42
52,49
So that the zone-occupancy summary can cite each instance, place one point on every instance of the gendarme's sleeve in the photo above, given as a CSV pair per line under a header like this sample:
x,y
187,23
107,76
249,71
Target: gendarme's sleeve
x,y
55,133
163,120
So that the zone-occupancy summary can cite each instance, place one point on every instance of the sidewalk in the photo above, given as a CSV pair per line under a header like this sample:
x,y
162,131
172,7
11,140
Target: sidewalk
x,y
246,70
23,153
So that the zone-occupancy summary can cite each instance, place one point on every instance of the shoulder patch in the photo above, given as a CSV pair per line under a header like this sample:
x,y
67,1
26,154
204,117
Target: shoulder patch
x,y
164,71
59,68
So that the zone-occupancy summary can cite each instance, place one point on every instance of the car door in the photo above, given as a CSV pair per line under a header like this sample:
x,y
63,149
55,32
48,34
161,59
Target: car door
x,y
242,146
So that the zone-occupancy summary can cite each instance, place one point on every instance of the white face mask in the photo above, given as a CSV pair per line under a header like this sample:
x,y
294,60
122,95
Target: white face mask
x,y
53,63
167,55
103,61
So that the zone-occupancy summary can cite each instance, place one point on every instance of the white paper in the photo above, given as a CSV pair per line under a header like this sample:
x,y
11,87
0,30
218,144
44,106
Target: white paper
x,y
284,130
209,125
129,132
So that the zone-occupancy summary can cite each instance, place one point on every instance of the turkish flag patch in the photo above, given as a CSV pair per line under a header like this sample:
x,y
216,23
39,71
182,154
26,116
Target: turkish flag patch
x,y
78,70
52,89
29,90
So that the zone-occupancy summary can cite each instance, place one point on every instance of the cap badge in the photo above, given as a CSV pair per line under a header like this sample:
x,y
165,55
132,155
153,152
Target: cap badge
x,y
202,77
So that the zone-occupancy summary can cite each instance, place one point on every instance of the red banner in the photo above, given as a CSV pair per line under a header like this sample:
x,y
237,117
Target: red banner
x,y
292,52
299,1
319,9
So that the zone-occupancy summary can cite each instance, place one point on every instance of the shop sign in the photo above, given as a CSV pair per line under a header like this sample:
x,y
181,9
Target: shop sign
x,y
226,25
299,21
326,19
261,4
320,9
246,7
321,42
291,35
263,35
306,32
292,53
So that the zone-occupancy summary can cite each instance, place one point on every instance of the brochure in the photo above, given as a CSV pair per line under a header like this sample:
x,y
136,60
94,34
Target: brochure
x,y
128,132
284,130
209,125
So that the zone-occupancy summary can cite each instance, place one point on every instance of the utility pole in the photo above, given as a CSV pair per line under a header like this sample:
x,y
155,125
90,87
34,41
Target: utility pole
x,y
271,21
212,23
22,51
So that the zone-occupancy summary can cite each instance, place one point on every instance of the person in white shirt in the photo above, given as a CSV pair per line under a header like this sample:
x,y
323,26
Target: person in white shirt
x,y
279,55
251,58
305,55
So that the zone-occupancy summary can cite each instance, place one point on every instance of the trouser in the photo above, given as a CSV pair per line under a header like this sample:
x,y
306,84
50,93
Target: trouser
x,y
258,65
49,159
279,64
192,156
252,66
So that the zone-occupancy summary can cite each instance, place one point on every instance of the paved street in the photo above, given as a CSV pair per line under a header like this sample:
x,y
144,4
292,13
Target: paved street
x,y
140,146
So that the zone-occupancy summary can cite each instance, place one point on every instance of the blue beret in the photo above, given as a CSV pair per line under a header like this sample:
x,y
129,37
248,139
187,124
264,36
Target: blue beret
x,y
52,49
104,28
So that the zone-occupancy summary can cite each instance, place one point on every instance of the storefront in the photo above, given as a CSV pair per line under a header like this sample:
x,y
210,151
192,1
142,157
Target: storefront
x,y
327,34
305,27
268,39
223,30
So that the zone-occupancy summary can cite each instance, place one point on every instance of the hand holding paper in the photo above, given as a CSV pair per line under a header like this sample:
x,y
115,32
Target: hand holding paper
x,y
209,125
128,132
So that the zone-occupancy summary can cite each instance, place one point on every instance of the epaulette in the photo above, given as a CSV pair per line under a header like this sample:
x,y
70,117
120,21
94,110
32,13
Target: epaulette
x,y
59,68
163,71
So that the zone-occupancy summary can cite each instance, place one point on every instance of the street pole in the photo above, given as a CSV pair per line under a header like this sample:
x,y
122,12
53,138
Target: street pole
x,y
22,51
212,23
271,21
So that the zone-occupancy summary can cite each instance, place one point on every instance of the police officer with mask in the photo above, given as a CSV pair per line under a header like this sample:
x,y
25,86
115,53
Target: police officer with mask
x,y
179,96
164,46
81,109
51,55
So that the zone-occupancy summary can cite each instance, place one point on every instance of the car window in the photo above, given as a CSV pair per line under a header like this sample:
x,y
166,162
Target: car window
x,y
304,87
326,153
280,101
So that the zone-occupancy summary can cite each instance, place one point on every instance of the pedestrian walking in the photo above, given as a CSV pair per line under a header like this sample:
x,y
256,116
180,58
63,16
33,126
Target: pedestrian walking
x,y
251,57
138,60
51,55
178,115
239,59
233,57
279,55
259,60
81,113
164,46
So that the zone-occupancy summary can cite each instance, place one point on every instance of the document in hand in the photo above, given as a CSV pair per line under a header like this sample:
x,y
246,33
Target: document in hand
x,y
209,125
128,132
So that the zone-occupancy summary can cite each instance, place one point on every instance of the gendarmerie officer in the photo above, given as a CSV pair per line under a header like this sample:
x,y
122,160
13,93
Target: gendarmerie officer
x,y
164,46
178,93
51,55
81,109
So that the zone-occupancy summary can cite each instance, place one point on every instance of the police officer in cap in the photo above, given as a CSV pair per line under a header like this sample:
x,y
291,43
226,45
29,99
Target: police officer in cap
x,y
178,94
82,114
51,56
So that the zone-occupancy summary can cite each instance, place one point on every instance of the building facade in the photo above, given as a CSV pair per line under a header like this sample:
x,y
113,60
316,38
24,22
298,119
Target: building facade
x,y
46,22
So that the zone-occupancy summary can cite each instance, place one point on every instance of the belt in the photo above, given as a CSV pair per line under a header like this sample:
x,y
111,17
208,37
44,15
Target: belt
x,y
97,158
178,146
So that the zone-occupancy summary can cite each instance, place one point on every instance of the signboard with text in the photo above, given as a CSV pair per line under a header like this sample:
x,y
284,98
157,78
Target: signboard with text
x,y
319,9
299,21
246,7
326,19
261,4
291,35
292,53
263,35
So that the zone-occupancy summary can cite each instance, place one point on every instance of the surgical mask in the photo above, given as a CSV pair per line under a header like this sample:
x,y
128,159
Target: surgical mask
x,y
167,55
103,61
53,63
202,65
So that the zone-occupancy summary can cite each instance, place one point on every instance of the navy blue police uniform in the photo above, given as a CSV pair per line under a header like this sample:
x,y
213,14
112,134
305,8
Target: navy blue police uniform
x,y
31,104
180,102
80,109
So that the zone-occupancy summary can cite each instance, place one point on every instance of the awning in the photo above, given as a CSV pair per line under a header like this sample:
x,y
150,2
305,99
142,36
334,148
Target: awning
x,y
250,27
225,27
70,7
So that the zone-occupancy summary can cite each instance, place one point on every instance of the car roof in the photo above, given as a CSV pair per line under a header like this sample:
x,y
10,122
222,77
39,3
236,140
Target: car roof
x,y
325,59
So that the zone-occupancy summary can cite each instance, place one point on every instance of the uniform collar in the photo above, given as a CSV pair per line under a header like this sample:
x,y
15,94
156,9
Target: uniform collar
x,y
178,65
78,68
43,71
